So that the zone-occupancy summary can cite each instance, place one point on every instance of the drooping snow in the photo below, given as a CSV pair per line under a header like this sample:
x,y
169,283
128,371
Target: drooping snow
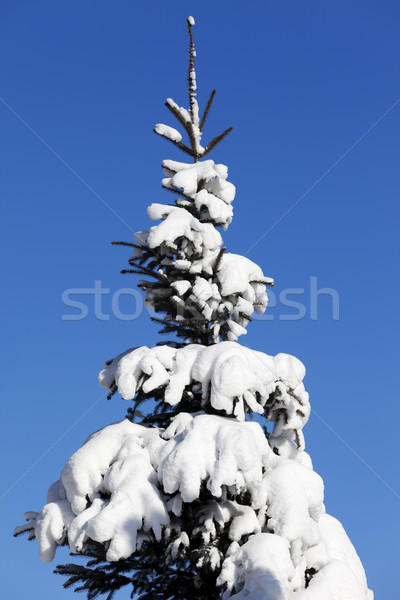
x,y
339,547
335,581
186,177
297,494
255,490
262,568
235,378
215,197
178,222
130,481
224,453
236,272
222,290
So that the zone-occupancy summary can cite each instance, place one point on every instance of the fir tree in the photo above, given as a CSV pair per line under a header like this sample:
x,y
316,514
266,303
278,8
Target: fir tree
x,y
191,499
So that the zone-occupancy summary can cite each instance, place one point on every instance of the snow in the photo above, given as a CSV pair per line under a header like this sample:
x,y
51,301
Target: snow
x,y
181,286
228,287
168,132
113,462
184,113
254,489
178,222
186,177
236,272
129,481
216,208
216,196
340,547
237,380
335,581
261,568
190,117
295,496
222,452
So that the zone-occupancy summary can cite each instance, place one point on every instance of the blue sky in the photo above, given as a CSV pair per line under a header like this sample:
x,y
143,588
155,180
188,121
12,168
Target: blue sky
x,y
301,83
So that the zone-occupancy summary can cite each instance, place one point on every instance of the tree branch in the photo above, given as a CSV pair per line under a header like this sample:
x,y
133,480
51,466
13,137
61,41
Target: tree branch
x,y
207,109
216,140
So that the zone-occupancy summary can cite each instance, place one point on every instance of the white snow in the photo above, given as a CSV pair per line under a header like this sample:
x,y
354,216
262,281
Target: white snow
x,y
185,114
191,117
181,286
237,272
186,177
131,482
178,222
261,569
214,199
220,451
217,209
128,482
335,581
236,378
168,132
229,287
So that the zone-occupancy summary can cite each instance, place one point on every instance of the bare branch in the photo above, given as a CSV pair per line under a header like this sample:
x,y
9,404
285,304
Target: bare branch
x,y
207,109
125,244
216,140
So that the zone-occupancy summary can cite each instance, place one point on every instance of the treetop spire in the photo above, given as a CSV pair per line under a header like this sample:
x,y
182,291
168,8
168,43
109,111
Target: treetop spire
x,y
190,118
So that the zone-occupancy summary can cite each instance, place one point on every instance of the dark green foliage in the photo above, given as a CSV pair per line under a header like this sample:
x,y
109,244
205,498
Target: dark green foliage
x,y
152,573
146,572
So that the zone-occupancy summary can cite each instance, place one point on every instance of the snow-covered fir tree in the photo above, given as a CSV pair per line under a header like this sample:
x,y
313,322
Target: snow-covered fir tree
x,y
192,500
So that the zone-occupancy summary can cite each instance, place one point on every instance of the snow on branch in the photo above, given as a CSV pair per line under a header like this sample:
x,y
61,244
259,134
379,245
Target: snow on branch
x,y
130,483
263,569
233,380
213,291
189,118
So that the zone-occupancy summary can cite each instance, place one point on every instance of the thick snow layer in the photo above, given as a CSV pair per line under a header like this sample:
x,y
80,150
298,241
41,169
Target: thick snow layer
x,y
233,379
129,482
340,547
335,581
223,452
185,177
213,200
178,222
216,209
298,496
223,289
236,272
262,568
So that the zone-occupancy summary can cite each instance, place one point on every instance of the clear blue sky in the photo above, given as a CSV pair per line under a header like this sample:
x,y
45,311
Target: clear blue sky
x,y
301,82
